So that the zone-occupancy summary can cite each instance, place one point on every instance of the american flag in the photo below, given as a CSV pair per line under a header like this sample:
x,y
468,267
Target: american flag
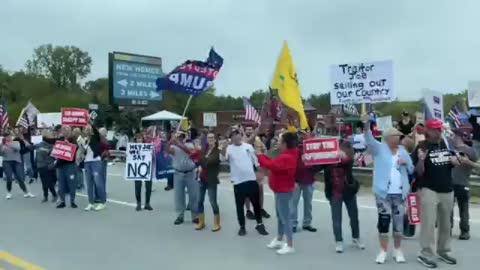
x,y
28,115
3,114
455,115
250,113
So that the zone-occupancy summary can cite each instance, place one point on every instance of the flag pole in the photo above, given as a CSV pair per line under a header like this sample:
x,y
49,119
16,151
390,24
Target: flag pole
x,y
184,112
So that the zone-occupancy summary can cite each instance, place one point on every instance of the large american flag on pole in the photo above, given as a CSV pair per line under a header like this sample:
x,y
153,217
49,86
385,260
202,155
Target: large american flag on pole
x,y
250,113
3,115
455,115
28,115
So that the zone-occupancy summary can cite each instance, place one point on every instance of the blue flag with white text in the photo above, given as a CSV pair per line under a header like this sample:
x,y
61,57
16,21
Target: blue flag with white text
x,y
192,77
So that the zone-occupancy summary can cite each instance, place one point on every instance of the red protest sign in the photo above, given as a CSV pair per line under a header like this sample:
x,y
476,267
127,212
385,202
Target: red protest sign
x,y
75,117
64,150
413,208
320,151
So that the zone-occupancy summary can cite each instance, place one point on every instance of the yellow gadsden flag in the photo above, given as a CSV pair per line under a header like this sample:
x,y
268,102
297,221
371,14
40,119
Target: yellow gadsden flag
x,y
285,82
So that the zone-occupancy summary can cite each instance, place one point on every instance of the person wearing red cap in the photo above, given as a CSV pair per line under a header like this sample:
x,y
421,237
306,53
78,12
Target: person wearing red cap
x,y
434,162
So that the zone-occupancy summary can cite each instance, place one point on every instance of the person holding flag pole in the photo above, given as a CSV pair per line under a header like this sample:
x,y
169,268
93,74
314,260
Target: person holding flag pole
x,y
192,78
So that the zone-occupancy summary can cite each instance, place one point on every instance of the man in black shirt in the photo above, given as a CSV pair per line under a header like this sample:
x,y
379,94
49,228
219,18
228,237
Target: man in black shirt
x,y
406,125
434,162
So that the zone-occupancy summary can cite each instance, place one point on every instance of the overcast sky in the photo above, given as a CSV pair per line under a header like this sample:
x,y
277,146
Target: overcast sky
x,y
433,43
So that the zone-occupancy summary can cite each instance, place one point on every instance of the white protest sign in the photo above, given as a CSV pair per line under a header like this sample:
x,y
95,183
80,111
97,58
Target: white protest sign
x,y
37,139
209,119
48,120
139,164
368,82
433,104
384,122
419,118
474,94
110,135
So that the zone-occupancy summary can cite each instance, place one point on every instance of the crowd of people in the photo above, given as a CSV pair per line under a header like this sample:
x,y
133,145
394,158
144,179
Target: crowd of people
x,y
410,158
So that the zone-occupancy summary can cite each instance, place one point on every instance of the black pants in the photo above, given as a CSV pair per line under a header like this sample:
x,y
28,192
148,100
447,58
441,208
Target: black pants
x,y
138,191
462,197
170,180
49,179
336,205
250,190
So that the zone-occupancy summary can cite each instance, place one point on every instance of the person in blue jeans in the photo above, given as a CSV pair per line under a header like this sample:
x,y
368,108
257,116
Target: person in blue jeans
x,y
305,178
94,172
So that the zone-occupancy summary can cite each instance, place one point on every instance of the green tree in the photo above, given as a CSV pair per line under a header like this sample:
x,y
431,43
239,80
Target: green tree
x,y
64,65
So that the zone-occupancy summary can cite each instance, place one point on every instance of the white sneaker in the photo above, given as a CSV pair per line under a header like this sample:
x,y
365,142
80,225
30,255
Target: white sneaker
x,y
358,244
398,255
89,207
100,207
28,195
285,250
339,247
381,257
9,196
275,244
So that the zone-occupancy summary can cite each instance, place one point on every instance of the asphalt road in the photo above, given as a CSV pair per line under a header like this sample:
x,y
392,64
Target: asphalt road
x,y
35,236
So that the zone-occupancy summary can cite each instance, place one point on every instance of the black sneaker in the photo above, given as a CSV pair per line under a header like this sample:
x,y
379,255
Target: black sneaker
x,y
139,207
73,205
250,215
148,207
294,229
309,228
242,231
426,262
265,214
61,205
168,188
447,258
261,229
464,236
178,221
45,200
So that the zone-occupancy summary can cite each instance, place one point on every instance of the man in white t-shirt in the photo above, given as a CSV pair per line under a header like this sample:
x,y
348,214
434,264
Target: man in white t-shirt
x,y
241,158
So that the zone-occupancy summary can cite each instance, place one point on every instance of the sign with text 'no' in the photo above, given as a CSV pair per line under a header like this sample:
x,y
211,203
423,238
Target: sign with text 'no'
x,y
75,117
369,82
320,151
64,150
132,79
139,164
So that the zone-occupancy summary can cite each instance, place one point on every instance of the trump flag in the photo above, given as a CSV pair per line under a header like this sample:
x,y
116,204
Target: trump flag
x,y
192,77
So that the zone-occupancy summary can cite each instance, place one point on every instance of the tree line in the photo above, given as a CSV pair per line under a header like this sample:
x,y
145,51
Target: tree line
x,y
52,80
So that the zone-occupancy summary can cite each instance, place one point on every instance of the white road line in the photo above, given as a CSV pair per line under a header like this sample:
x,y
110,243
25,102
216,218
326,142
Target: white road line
x,y
112,201
368,207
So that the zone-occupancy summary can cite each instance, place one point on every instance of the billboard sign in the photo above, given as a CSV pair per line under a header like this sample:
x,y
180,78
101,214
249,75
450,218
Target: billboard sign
x,y
132,79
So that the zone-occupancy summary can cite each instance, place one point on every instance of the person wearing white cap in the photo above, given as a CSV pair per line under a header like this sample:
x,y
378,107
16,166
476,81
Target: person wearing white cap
x,y
392,164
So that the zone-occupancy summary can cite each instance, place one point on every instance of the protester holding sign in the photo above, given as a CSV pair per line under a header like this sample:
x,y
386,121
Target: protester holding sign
x,y
209,170
12,165
282,182
392,165
138,185
305,179
341,188
94,171
65,151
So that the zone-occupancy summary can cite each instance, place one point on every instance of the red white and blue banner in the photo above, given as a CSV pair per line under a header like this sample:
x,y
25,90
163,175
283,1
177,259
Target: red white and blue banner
x,y
192,77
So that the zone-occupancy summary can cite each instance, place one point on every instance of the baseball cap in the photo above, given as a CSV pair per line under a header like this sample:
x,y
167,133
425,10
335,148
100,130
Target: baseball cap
x,y
434,124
